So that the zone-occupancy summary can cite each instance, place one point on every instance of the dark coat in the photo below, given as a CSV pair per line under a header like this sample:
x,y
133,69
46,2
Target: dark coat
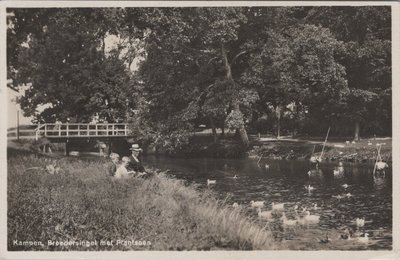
x,y
135,166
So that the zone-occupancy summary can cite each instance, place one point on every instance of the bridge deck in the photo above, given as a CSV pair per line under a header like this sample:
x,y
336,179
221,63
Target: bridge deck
x,y
65,131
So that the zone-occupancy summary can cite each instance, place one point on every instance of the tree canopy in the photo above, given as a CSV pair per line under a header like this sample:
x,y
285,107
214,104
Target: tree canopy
x,y
304,68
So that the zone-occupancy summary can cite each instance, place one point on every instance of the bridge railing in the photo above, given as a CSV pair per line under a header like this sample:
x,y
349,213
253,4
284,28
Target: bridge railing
x,y
82,130
21,133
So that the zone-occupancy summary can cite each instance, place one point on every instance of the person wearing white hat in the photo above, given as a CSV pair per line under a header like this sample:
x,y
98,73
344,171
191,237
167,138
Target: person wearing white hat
x,y
135,164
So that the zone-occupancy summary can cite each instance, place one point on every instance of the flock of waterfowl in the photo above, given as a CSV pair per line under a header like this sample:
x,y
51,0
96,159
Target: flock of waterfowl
x,y
303,215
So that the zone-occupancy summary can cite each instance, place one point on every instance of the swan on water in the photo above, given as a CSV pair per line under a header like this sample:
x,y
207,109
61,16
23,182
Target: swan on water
x,y
345,186
264,214
311,218
381,166
288,222
279,206
257,204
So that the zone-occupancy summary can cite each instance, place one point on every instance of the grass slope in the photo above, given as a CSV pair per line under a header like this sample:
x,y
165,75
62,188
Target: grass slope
x,y
82,203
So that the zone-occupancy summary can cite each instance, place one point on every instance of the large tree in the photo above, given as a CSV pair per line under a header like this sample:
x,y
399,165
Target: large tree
x,y
59,56
366,33
194,61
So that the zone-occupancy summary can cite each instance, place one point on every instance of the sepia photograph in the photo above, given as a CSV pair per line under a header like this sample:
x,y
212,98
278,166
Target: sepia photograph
x,y
199,128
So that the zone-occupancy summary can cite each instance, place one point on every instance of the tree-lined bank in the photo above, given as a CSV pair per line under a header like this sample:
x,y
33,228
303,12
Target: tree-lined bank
x,y
276,70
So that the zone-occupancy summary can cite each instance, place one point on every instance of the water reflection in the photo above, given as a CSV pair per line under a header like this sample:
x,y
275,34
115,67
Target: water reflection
x,y
340,198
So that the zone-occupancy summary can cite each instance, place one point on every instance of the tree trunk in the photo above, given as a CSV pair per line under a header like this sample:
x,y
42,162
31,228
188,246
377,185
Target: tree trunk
x,y
357,131
278,115
214,130
235,103
222,131
279,128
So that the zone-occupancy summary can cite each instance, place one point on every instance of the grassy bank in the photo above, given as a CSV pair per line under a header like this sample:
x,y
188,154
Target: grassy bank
x,y
80,203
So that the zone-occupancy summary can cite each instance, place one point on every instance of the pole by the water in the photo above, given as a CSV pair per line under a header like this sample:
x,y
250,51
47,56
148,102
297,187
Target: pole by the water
x,y
377,158
323,147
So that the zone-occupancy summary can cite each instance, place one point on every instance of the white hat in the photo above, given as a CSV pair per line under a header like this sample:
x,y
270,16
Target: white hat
x,y
135,147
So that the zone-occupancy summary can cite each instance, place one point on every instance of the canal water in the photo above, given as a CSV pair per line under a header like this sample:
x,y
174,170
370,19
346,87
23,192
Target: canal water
x,y
243,180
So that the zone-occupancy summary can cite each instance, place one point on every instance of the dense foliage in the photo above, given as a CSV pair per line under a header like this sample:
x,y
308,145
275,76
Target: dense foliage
x,y
262,69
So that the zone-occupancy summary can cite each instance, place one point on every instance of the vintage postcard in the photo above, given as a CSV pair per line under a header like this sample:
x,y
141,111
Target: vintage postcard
x,y
221,130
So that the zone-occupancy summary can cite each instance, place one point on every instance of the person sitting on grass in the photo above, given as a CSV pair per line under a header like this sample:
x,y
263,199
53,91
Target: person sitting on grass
x,y
122,171
112,167
135,164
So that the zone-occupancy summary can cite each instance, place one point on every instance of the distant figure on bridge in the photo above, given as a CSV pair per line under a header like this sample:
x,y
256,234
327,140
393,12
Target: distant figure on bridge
x,y
57,125
122,171
135,164
112,167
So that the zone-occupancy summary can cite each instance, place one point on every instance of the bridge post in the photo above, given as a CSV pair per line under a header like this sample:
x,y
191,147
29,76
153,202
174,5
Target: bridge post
x,y
109,146
66,148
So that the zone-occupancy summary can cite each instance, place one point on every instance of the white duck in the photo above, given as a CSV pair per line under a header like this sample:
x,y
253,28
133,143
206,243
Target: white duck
x,y
345,186
315,206
279,206
360,222
264,214
338,197
336,172
235,177
235,205
348,195
256,204
266,166
209,182
364,239
309,188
